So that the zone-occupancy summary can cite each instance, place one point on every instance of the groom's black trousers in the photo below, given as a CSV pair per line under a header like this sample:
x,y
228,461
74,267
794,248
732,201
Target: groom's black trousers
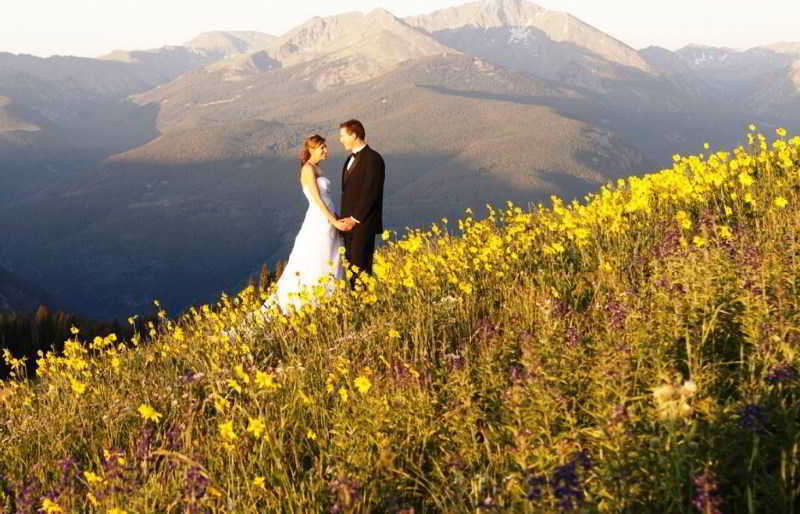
x,y
359,246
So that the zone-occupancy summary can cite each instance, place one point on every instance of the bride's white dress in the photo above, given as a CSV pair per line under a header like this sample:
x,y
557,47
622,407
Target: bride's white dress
x,y
315,254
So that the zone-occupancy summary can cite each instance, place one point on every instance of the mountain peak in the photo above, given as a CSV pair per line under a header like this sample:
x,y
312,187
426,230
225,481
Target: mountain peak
x,y
382,17
482,14
508,12
526,23
784,47
227,43
353,47
380,12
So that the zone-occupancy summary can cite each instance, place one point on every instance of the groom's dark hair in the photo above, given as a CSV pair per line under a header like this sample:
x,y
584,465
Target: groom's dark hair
x,y
355,128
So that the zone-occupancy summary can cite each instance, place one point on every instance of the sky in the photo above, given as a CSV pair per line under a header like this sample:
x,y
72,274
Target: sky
x,y
91,28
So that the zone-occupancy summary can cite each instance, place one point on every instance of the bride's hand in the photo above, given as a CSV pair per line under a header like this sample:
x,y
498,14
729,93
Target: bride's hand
x,y
339,225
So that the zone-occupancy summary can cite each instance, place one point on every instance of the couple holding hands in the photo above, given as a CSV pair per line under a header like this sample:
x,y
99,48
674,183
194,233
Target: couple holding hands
x,y
316,252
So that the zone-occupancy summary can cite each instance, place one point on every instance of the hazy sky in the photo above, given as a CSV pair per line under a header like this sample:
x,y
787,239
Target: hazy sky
x,y
94,27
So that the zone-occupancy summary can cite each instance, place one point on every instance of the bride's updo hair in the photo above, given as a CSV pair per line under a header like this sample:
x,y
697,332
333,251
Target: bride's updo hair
x,y
311,143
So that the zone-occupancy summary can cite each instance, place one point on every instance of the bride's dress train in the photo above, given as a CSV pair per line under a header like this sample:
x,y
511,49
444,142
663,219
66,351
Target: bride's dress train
x,y
315,255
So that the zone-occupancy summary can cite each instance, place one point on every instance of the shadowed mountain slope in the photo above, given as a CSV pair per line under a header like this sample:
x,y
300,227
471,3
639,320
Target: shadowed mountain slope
x,y
201,206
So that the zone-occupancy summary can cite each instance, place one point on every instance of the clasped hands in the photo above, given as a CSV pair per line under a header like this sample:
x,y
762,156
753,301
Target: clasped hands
x,y
344,224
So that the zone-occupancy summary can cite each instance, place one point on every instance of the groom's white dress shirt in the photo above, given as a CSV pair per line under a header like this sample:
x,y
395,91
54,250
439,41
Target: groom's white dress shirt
x,y
353,156
350,161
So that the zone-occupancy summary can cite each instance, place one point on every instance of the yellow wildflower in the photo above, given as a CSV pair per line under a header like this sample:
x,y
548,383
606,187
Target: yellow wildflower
x,y
311,435
49,507
343,394
148,413
244,377
256,427
233,384
780,202
265,380
92,478
78,387
683,220
363,385
227,432
258,481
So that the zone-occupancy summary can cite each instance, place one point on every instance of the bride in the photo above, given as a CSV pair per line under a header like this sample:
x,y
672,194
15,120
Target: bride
x,y
316,251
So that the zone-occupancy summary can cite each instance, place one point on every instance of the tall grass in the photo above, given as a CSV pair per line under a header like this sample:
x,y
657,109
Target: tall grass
x,y
636,352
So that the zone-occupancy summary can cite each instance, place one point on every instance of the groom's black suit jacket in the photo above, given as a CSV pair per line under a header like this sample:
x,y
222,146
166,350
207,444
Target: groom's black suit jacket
x,y
362,198
362,190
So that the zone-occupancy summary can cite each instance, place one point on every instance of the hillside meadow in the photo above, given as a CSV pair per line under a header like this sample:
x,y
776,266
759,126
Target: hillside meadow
x,y
634,352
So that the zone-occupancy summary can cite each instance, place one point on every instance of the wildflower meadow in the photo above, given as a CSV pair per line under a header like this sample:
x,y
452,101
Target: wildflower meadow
x,y
636,351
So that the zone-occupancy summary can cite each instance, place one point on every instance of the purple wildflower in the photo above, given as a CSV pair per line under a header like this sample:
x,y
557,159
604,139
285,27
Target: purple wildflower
x,y
30,491
174,442
536,486
144,445
573,336
706,498
561,309
782,373
566,486
753,418
348,492
668,245
456,362
196,484
620,414
518,373
617,314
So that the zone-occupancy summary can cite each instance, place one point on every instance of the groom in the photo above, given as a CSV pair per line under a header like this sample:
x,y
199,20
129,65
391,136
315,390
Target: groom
x,y
362,196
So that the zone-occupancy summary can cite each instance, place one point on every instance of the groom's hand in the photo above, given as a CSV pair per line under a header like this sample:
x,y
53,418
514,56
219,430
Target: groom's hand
x,y
348,224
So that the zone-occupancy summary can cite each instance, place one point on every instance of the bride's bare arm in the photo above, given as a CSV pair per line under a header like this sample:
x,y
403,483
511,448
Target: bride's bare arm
x,y
309,181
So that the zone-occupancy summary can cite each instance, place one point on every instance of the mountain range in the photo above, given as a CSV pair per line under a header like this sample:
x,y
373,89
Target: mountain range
x,y
170,173
19,294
